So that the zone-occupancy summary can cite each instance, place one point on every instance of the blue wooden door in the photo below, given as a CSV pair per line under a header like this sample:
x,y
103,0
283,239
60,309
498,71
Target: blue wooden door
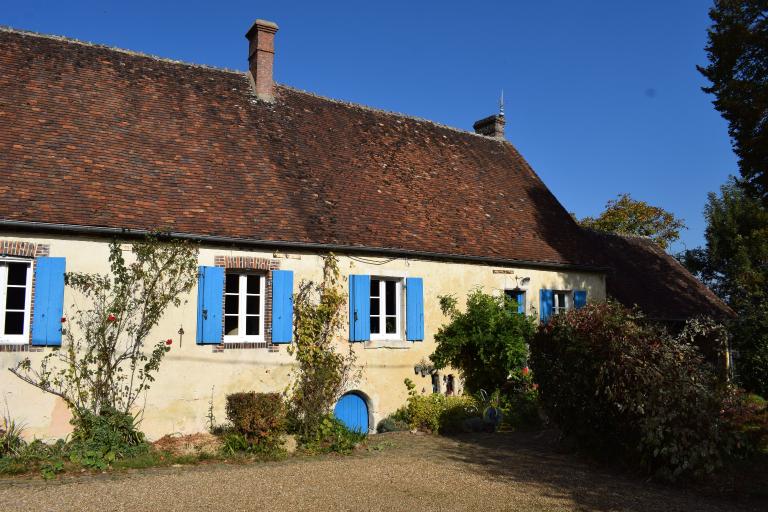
x,y
353,412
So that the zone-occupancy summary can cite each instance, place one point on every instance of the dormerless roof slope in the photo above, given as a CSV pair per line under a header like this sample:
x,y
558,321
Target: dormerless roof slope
x,y
643,274
94,136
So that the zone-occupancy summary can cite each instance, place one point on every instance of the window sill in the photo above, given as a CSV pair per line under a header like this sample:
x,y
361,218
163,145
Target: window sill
x,y
394,344
242,341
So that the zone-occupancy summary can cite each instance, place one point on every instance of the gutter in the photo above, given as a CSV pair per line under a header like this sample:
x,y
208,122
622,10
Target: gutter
x,y
45,227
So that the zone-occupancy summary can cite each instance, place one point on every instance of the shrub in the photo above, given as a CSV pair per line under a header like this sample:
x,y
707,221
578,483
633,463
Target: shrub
x,y
439,413
11,440
486,343
391,424
625,388
746,416
260,418
332,436
519,401
100,439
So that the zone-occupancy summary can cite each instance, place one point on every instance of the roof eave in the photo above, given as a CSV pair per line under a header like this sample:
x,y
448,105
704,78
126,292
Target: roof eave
x,y
18,225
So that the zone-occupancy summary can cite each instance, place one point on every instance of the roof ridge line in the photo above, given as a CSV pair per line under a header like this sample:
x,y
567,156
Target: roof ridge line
x,y
134,53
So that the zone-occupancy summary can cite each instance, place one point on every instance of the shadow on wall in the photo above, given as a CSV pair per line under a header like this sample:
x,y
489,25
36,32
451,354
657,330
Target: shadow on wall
x,y
538,458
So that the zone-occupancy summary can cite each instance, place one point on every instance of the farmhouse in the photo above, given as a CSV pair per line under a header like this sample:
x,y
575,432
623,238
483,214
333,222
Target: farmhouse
x,y
97,142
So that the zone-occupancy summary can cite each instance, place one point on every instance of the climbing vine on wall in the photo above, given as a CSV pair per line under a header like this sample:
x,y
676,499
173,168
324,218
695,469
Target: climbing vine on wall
x,y
323,373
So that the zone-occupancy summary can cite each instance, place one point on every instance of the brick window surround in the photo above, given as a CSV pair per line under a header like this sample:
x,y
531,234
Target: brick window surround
x,y
31,250
262,266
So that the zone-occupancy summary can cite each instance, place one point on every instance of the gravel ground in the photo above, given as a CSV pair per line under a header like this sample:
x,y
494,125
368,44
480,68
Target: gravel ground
x,y
409,473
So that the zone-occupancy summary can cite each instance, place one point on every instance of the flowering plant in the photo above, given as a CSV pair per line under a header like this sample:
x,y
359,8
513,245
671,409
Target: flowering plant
x,y
103,364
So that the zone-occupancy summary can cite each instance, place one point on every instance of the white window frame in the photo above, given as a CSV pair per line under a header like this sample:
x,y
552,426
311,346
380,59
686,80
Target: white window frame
x,y
567,297
15,339
398,334
242,294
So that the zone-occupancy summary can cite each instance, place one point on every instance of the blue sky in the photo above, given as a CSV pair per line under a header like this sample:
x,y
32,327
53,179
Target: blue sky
x,y
602,97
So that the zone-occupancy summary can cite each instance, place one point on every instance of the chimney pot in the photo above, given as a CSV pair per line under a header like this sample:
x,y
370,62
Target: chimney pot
x,y
491,126
261,55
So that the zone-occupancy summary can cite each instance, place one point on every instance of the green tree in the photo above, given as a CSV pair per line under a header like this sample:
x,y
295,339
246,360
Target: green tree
x,y
734,263
626,216
738,71
103,365
486,343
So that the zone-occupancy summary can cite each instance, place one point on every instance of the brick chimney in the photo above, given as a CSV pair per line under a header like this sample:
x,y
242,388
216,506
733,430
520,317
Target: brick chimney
x,y
261,54
491,126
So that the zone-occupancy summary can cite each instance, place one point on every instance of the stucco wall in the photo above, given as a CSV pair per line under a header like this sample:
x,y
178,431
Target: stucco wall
x,y
191,374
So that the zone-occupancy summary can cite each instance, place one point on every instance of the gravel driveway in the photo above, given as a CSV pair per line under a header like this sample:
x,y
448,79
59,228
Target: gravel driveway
x,y
411,473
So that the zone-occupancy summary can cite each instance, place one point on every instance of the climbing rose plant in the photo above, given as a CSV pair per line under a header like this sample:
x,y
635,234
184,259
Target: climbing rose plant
x,y
105,363
323,373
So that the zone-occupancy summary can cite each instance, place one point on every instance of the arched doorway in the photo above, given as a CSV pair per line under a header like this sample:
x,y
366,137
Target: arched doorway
x,y
352,410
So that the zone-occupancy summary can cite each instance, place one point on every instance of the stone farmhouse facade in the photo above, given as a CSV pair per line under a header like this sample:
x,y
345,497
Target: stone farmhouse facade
x,y
98,143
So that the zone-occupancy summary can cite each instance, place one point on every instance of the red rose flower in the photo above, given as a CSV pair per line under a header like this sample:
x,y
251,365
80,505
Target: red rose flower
x,y
535,386
168,341
526,371
111,317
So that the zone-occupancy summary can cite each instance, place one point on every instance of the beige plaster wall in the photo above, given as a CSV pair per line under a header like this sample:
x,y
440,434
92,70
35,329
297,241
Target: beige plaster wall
x,y
193,374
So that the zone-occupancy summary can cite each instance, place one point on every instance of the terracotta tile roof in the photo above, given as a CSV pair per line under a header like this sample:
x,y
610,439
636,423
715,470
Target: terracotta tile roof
x,y
645,275
94,136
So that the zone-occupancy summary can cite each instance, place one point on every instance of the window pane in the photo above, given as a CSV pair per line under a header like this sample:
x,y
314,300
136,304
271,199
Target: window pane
x,y
511,294
14,323
374,287
252,325
374,325
254,285
391,325
230,325
391,286
375,306
252,304
15,298
17,273
233,283
231,305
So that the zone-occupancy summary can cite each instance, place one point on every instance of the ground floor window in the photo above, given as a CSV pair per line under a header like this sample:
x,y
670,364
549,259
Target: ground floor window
x,y
15,300
518,296
386,297
244,307
562,301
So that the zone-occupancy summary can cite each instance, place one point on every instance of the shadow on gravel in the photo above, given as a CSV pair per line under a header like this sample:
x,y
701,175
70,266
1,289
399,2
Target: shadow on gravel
x,y
537,458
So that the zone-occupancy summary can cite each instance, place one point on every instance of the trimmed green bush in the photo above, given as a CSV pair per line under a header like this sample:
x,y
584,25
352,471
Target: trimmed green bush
x,y
260,418
625,389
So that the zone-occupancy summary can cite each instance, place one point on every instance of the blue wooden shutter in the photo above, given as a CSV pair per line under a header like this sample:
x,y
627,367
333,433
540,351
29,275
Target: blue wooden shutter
x,y
414,309
520,299
546,303
282,306
49,301
359,308
210,296
579,298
